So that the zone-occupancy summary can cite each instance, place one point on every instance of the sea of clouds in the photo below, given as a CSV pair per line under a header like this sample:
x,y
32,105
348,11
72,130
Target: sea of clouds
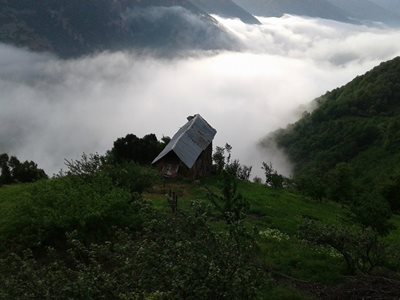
x,y
52,109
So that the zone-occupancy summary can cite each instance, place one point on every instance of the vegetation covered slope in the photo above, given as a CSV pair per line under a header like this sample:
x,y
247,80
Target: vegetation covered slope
x,y
392,5
351,11
357,124
89,238
311,8
110,227
73,27
227,9
365,10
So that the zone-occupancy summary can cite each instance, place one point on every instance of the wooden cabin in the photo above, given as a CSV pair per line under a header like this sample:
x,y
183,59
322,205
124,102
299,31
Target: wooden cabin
x,y
189,153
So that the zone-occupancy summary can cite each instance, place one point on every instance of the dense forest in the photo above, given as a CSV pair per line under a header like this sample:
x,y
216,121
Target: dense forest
x,y
353,136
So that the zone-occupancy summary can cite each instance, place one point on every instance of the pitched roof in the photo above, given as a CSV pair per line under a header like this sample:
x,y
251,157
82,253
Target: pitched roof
x,y
190,140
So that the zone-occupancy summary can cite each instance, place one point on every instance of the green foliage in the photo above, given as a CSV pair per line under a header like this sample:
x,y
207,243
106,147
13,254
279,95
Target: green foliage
x,y
357,124
390,189
127,175
86,166
341,184
230,204
57,206
91,198
311,184
361,249
132,176
14,171
139,150
219,159
178,257
272,178
223,162
372,210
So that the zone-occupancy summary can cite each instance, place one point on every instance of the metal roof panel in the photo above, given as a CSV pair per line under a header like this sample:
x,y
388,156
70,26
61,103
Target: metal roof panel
x,y
190,140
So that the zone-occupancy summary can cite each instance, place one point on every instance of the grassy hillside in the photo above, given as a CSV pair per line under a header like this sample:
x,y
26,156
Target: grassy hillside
x,y
298,269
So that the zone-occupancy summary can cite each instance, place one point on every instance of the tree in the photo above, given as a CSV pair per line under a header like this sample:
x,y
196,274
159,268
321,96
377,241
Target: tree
x,y
229,203
341,186
219,158
361,249
5,175
312,185
140,150
372,210
272,178
390,190
12,170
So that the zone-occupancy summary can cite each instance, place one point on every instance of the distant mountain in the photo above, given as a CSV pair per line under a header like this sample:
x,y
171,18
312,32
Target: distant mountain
x,y
227,9
74,27
357,124
365,10
277,8
351,11
392,5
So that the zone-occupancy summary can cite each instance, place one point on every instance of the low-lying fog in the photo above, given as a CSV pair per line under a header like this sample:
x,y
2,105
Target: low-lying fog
x,y
52,109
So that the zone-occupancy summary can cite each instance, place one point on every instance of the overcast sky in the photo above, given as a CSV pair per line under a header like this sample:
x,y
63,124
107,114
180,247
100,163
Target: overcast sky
x,y
52,109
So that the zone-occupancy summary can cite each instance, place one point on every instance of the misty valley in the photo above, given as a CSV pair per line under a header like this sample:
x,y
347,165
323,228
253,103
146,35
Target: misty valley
x,y
199,149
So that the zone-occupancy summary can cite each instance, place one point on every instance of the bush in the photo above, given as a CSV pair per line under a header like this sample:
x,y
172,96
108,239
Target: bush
x,y
361,249
178,257
230,204
133,177
56,206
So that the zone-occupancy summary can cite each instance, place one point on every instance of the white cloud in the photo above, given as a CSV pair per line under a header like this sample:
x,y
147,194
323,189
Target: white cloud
x,y
52,109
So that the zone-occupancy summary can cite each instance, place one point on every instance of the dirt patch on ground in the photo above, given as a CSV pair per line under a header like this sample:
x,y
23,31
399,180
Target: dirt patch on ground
x,y
366,287
353,288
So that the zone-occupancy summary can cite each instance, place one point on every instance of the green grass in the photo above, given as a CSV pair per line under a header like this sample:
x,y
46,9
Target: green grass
x,y
283,211
280,210
277,211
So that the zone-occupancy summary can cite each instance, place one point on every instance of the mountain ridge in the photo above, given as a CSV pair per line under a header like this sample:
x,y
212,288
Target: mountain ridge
x,y
73,28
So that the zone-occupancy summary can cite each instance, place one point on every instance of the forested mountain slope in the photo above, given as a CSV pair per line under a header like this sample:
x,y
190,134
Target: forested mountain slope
x,y
392,5
74,27
311,8
357,124
365,10
227,9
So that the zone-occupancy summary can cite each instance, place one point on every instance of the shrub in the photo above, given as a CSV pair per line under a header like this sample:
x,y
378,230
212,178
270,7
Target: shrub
x,y
56,206
361,249
133,177
231,205
177,257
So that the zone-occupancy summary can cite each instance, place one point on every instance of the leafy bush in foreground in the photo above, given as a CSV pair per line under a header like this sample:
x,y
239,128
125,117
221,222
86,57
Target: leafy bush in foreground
x,y
92,197
57,206
177,257
361,249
